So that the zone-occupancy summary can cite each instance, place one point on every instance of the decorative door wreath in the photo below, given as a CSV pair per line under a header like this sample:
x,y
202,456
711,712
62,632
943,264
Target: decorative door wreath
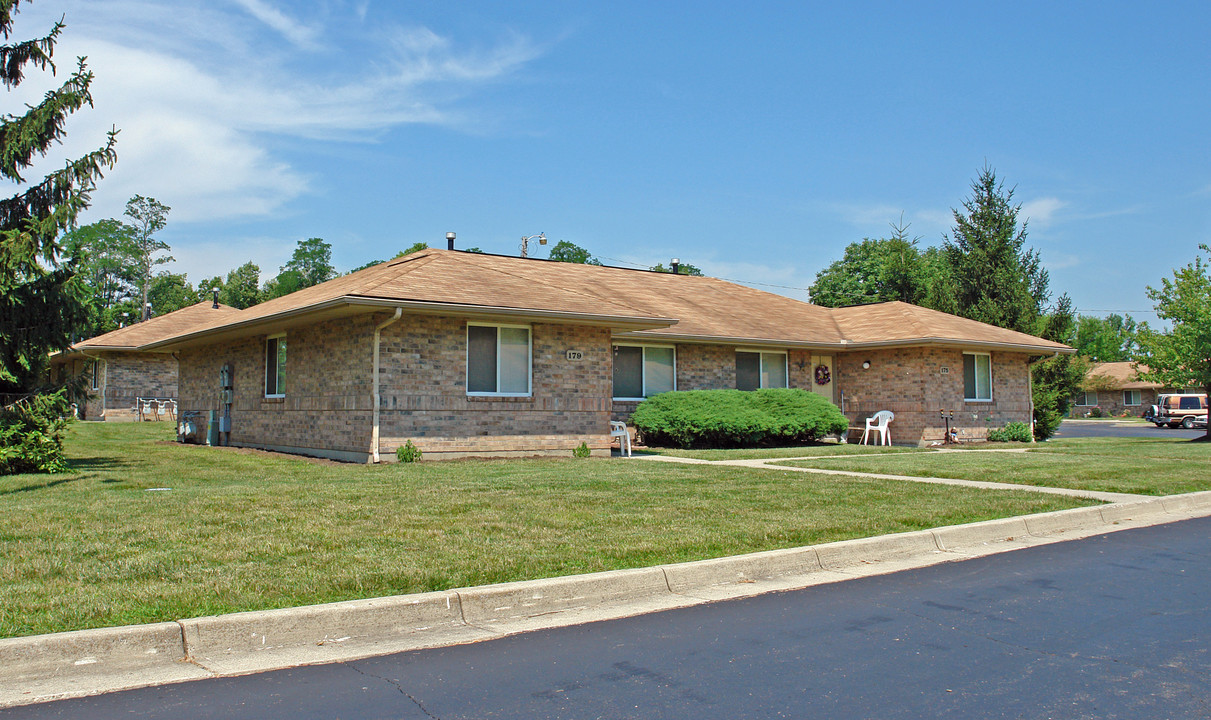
x,y
823,376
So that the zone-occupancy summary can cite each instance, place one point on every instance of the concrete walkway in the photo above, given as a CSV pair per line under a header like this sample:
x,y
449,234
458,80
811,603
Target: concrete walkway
x,y
772,464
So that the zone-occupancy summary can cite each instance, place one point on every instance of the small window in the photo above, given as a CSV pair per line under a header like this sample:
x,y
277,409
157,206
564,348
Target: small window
x,y
498,360
643,371
96,374
755,370
977,377
275,366
1086,399
1131,397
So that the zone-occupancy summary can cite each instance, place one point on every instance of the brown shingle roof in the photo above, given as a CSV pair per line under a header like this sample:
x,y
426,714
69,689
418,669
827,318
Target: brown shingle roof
x,y
902,323
159,328
1123,375
636,303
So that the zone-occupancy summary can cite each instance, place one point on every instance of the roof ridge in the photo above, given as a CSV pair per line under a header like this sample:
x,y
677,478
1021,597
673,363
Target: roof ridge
x,y
416,259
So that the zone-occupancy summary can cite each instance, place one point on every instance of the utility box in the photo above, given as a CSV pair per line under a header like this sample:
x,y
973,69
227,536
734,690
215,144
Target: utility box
x,y
225,423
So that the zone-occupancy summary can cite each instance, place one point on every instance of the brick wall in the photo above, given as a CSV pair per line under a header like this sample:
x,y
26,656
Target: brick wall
x,y
123,377
424,392
911,383
327,409
1111,403
907,381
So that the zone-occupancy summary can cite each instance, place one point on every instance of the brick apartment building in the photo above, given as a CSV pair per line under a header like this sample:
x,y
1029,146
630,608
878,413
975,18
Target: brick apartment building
x,y
119,373
476,354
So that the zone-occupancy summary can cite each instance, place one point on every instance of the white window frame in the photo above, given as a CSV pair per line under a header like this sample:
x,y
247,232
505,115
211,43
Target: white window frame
x,y
96,375
529,352
1128,394
1083,399
643,367
277,376
761,353
977,379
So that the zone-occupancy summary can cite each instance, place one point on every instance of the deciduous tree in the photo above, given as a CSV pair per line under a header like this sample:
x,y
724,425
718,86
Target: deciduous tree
x,y
148,216
564,251
1181,357
1109,339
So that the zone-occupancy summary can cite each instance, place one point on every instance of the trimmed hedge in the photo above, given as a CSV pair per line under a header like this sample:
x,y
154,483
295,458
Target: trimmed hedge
x,y
735,418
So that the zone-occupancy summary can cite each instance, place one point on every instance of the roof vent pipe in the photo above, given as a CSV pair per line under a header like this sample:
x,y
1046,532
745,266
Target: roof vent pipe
x,y
450,241
216,299
676,264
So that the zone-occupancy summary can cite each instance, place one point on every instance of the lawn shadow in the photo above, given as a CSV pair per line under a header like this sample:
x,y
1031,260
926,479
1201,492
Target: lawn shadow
x,y
96,463
42,485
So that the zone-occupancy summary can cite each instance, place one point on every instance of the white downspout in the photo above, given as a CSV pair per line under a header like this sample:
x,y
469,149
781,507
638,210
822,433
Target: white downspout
x,y
378,329
104,378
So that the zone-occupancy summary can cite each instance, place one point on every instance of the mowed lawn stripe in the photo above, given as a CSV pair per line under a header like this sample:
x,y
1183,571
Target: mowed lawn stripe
x,y
1157,467
239,530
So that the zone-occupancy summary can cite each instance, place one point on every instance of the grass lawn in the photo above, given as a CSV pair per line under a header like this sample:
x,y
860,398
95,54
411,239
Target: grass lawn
x,y
823,449
1147,466
146,530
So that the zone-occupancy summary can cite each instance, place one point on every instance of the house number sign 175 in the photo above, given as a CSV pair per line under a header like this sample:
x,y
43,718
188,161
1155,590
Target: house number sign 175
x,y
575,355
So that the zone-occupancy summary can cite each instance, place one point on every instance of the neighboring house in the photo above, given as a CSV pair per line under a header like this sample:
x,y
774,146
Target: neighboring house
x,y
1115,388
475,354
119,373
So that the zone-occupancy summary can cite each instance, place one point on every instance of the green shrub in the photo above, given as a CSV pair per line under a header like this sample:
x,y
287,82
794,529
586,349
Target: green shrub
x,y
1012,432
31,435
581,450
408,453
735,418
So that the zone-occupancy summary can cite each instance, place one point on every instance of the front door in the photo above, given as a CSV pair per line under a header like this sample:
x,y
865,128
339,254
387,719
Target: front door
x,y
825,388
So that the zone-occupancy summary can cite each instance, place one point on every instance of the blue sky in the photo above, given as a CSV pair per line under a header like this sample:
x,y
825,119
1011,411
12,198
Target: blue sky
x,y
754,140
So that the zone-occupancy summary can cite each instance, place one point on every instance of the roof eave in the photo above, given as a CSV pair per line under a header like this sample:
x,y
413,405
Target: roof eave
x,y
422,307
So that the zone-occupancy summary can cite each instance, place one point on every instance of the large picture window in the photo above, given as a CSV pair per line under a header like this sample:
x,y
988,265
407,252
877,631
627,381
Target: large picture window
x,y
643,371
977,377
755,370
275,367
498,360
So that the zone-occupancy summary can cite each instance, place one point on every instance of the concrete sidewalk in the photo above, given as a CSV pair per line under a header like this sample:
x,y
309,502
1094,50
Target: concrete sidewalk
x,y
46,667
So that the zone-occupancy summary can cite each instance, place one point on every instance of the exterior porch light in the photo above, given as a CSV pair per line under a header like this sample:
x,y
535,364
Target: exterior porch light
x,y
866,364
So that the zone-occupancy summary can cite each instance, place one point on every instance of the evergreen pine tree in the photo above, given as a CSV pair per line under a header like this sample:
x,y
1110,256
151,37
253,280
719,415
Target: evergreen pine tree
x,y
40,302
992,278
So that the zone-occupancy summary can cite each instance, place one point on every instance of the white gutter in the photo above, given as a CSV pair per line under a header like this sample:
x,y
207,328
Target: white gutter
x,y
378,329
104,378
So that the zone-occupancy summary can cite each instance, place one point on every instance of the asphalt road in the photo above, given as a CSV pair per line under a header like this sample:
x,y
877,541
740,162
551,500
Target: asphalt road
x,y
1111,428
1115,626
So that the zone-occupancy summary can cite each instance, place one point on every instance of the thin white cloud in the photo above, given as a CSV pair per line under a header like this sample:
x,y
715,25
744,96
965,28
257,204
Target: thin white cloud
x,y
1041,212
296,32
202,97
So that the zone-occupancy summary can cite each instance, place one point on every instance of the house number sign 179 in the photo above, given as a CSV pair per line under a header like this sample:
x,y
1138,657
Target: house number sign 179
x,y
575,355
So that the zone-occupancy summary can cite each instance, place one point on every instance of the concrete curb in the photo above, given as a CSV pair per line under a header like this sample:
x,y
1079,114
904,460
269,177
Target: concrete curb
x,y
46,667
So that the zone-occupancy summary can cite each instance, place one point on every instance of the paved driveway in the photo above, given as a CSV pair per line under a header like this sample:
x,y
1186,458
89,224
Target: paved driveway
x,y
1121,428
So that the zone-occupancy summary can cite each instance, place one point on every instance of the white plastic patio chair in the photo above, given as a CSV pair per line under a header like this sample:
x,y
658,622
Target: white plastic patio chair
x,y
878,422
619,430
